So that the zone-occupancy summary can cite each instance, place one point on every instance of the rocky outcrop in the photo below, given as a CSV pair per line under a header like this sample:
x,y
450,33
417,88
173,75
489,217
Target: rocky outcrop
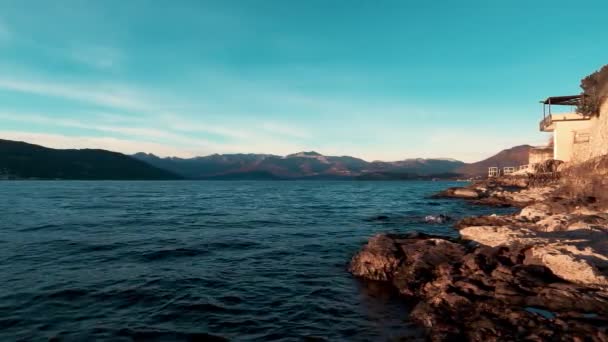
x,y
573,245
502,192
478,293
458,192
540,274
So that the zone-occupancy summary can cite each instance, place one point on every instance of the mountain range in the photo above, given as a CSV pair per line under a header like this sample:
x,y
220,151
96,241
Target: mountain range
x,y
313,165
23,160
303,165
26,161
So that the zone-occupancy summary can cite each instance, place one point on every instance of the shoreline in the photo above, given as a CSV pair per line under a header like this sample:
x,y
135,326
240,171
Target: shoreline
x,y
538,274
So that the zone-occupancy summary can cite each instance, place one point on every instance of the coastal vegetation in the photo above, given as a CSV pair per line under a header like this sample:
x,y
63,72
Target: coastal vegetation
x,y
595,91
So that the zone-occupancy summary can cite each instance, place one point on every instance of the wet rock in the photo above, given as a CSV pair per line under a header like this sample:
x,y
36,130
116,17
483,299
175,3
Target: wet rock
x,y
483,293
378,260
378,218
541,274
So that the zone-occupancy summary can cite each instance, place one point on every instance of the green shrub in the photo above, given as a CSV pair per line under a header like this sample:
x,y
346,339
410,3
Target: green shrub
x,y
595,91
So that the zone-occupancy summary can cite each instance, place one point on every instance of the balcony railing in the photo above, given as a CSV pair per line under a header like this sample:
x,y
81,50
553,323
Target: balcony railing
x,y
546,124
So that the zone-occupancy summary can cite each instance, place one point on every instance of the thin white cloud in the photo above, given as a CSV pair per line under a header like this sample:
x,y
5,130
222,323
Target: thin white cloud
x,y
341,126
131,146
141,132
108,96
150,137
285,130
192,127
99,57
126,146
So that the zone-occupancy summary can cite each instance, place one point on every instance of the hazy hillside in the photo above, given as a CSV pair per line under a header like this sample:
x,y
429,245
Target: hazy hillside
x,y
303,165
514,156
23,160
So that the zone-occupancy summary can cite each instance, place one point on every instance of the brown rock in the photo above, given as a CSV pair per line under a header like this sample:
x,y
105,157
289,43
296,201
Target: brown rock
x,y
483,293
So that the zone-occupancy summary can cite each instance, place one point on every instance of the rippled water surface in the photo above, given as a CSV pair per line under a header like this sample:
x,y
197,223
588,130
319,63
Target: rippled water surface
x,y
179,260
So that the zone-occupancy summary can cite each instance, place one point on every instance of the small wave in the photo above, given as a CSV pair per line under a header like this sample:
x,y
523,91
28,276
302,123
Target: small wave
x,y
159,335
399,219
173,253
41,227
86,248
231,300
233,244
437,219
378,218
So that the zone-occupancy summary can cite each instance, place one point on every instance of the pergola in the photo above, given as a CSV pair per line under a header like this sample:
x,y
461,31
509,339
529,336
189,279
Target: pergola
x,y
568,100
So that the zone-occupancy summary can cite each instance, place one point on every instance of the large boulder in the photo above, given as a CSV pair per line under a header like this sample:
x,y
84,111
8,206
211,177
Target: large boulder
x,y
580,266
378,260
579,255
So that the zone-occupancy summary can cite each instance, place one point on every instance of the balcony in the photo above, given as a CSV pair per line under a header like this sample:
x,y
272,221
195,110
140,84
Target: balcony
x,y
547,124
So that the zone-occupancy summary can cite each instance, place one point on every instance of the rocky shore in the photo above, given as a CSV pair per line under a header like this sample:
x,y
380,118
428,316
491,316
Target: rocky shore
x,y
540,274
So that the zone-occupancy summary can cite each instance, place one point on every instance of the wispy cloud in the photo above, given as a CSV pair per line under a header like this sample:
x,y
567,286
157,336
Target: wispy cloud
x,y
139,132
194,125
106,95
99,57
285,130
197,127
127,146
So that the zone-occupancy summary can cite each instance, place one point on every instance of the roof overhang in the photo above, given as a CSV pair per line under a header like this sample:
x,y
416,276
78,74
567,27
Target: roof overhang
x,y
569,100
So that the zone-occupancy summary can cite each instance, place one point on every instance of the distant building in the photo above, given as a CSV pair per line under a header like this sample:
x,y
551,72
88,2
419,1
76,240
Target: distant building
x,y
576,137
540,154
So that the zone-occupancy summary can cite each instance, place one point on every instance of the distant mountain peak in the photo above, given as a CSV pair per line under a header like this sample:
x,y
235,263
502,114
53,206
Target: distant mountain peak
x,y
310,154
144,154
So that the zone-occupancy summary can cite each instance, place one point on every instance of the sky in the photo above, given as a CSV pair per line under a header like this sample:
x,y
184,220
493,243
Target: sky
x,y
379,80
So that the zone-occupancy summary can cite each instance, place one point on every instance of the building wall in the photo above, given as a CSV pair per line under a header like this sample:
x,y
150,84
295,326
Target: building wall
x,y
599,133
539,155
563,138
581,150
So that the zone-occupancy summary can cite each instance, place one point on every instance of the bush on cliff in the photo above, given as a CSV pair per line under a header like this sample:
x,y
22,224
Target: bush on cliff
x,y
595,91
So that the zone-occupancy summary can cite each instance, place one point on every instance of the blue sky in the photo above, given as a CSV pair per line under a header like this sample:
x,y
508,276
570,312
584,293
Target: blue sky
x,y
383,80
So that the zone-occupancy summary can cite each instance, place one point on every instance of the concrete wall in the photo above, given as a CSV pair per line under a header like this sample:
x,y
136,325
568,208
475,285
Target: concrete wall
x,y
598,138
581,150
599,133
563,138
539,155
